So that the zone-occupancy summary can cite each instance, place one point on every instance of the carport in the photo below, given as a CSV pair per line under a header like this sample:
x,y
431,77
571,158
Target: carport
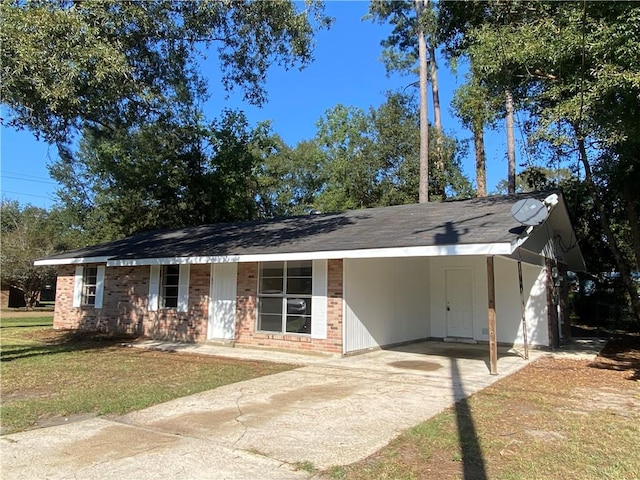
x,y
393,301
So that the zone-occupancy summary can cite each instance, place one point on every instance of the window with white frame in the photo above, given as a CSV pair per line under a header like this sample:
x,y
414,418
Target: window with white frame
x,y
169,286
284,297
89,285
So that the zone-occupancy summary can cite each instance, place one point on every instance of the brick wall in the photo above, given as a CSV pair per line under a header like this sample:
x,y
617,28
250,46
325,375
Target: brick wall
x,y
246,314
65,316
125,302
124,310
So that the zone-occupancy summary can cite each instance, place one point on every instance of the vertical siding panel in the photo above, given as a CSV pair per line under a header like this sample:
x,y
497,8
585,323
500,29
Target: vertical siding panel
x,y
222,307
183,288
154,287
319,300
357,337
99,286
77,286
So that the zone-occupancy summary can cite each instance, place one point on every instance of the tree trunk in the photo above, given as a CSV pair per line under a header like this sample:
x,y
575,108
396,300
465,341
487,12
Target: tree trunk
x,y
441,184
625,276
481,172
423,189
435,92
511,143
632,217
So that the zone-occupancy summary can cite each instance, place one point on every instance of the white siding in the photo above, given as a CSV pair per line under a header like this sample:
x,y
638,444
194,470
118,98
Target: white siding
x,y
319,300
508,307
386,301
99,286
154,287
478,270
508,316
222,301
77,286
183,288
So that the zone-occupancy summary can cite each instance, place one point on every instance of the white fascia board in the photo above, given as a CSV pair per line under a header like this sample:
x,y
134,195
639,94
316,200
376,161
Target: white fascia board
x,y
135,262
396,252
71,261
517,243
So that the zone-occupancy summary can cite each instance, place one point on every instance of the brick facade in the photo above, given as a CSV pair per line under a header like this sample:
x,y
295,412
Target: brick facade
x,y
125,309
125,306
246,314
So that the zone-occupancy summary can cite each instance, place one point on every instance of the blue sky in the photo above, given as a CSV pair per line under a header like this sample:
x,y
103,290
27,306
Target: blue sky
x,y
347,70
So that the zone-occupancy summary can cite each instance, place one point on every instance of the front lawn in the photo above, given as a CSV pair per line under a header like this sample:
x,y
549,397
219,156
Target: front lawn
x,y
48,376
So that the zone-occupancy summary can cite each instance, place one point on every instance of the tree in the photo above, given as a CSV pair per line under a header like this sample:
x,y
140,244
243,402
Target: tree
x,y
537,179
463,28
358,159
68,65
346,139
290,179
397,128
473,105
423,186
577,66
413,41
163,175
27,234
125,77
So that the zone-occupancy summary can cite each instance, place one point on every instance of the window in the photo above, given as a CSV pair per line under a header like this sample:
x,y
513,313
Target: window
x,y
284,297
89,285
169,286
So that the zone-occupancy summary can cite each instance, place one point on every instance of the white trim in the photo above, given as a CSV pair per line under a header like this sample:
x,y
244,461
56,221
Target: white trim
x,y
319,302
183,288
222,301
71,261
77,286
344,307
154,288
425,251
99,286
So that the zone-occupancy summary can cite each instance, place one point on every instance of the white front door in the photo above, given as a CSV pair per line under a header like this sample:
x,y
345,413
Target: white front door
x,y
222,301
459,302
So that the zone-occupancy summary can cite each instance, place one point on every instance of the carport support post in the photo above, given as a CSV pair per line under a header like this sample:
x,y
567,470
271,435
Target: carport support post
x,y
493,345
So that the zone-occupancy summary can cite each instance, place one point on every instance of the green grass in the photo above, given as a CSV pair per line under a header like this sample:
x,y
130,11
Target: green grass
x,y
47,374
26,322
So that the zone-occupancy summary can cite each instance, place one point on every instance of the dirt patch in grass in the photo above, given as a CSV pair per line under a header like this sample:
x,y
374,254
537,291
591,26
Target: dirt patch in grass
x,y
51,377
556,418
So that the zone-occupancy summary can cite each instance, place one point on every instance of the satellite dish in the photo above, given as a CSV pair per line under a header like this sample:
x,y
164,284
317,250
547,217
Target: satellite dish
x,y
529,211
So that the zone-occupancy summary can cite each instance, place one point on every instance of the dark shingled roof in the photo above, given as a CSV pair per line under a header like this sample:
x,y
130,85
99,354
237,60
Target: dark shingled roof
x,y
479,220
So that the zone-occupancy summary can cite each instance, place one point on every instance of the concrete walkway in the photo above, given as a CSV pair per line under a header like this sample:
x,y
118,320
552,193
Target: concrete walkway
x,y
332,411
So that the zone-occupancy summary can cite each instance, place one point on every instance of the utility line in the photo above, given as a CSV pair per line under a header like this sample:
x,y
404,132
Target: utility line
x,y
12,177
26,194
25,175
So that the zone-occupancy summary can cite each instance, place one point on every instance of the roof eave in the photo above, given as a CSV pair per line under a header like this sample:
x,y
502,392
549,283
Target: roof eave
x,y
70,261
501,248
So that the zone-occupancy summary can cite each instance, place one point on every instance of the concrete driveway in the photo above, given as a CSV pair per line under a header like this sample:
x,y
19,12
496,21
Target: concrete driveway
x,y
333,411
